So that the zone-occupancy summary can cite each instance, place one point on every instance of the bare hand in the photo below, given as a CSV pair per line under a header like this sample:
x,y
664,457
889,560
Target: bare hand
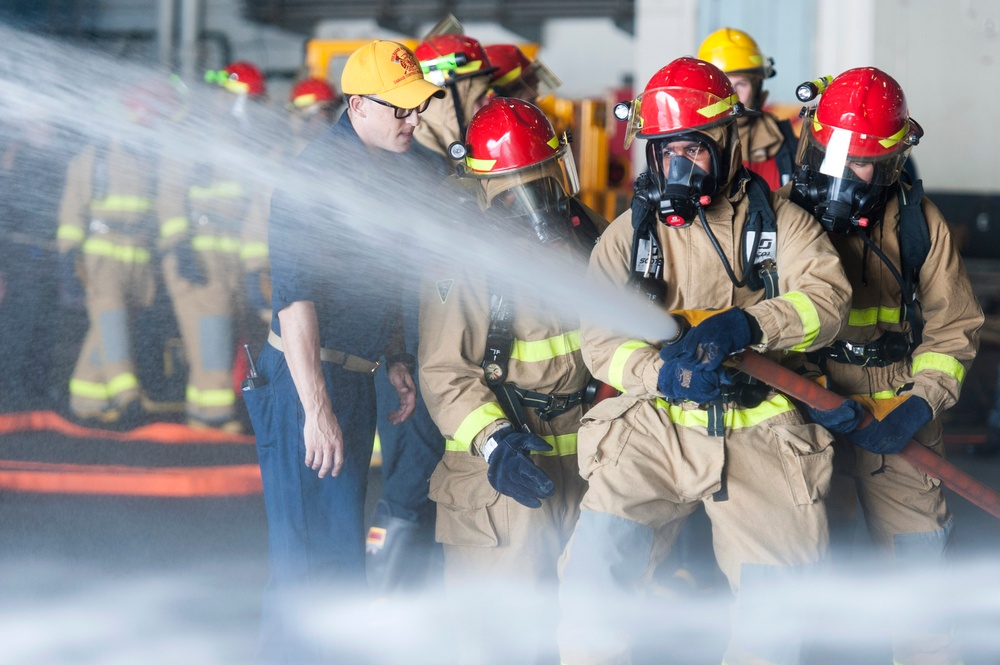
x,y
324,443
402,381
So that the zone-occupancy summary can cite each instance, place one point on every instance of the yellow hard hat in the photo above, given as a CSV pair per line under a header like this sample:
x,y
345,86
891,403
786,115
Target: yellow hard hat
x,y
734,51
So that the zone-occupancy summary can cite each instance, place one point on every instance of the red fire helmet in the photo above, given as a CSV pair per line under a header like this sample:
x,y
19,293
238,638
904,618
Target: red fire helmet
x,y
445,58
241,77
686,95
312,92
870,105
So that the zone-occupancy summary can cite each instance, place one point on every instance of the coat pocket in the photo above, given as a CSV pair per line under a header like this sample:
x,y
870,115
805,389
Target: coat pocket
x,y
603,434
465,499
806,453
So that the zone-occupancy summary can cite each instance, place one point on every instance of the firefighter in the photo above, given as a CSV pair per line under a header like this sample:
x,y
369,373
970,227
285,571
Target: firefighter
x,y
335,315
505,381
768,143
312,107
32,175
686,431
912,333
517,76
213,236
457,64
105,239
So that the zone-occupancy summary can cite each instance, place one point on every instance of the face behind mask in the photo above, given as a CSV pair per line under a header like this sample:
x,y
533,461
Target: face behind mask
x,y
840,204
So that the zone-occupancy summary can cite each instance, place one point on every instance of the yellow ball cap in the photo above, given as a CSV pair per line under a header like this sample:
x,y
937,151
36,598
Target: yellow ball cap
x,y
389,70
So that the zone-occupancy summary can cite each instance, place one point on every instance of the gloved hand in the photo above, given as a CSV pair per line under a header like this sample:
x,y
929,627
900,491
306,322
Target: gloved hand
x,y
897,420
189,266
255,295
843,419
69,278
512,472
692,367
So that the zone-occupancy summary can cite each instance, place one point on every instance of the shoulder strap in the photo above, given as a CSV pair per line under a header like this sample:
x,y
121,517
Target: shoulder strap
x,y
914,245
646,262
496,358
760,238
785,157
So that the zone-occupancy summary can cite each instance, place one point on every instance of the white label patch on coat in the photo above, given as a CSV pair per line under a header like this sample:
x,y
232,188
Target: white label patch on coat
x,y
444,288
767,247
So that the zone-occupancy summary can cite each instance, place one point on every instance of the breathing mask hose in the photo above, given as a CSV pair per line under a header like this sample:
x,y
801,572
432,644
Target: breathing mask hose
x,y
805,390
907,296
738,283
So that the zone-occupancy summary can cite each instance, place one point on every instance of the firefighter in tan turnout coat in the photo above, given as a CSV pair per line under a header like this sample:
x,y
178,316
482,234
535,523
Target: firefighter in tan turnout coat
x,y
687,431
505,381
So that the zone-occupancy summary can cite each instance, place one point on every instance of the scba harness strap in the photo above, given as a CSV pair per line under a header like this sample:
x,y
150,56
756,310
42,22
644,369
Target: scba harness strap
x,y
759,240
914,246
500,342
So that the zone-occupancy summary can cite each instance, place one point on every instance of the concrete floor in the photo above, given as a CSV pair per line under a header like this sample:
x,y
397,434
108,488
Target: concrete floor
x,y
111,580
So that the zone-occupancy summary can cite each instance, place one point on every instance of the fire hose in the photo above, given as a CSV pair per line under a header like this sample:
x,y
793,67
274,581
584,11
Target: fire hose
x,y
809,392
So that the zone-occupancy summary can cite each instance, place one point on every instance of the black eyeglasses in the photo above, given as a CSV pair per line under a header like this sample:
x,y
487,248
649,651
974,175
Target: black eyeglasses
x,y
399,113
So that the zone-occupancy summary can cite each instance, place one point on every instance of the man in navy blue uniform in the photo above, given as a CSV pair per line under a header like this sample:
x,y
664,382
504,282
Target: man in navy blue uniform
x,y
336,320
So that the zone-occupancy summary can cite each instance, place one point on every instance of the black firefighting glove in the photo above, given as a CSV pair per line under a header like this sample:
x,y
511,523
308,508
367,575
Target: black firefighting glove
x,y
692,367
843,419
896,421
189,266
69,277
511,472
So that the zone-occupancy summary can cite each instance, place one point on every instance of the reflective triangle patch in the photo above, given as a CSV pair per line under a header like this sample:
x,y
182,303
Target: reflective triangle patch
x,y
444,288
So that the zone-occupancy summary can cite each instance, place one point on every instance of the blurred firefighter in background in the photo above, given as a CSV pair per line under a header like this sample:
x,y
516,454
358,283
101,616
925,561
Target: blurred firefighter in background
x,y
458,64
32,176
313,105
107,222
768,143
517,76
213,232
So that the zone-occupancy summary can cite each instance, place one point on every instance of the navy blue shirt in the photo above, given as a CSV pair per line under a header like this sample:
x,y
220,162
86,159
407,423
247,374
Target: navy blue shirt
x,y
332,258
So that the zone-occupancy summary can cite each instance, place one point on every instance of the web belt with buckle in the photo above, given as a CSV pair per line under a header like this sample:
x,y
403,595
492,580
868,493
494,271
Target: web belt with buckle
x,y
345,360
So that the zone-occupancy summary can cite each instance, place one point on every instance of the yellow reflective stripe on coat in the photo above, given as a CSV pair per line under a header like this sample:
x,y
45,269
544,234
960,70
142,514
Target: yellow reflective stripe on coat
x,y
174,226
123,253
220,190
616,369
860,318
103,391
546,349
940,363
562,445
808,316
254,250
122,204
68,232
218,397
473,424
222,244
733,418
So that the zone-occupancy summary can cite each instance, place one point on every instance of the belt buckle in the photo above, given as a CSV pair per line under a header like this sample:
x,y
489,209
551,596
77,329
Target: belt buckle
x,y
378,363
557,403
